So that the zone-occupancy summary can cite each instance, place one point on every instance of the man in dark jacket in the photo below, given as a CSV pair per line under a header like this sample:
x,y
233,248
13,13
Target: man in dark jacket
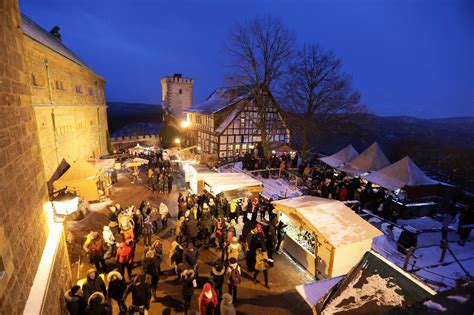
x,y
75,303
141,294
151,268
98,305
192,229
94,283
116,290
190,258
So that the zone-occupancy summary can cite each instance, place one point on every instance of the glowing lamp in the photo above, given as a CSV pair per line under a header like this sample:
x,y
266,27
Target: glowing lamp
x,y
251,146
65,203
185,124
273,151
177,141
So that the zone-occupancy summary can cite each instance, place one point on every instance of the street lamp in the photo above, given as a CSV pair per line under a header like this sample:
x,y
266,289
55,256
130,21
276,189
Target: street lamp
x,y
177,141
185,124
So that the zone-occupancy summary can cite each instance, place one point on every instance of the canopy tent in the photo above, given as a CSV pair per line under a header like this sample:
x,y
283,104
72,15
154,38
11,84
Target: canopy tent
x,y
390,286
102,164
372,159
281,147
60,170
402,173
236,193
219,182
194,174
343,156
139,148
81,179
331,218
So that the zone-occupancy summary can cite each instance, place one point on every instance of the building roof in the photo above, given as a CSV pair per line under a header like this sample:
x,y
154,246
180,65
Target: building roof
x,y
332,219
220,99
400,174
372,159
337,159
39,34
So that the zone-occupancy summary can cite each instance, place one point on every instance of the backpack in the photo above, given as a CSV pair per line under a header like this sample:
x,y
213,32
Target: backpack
x,y
235,275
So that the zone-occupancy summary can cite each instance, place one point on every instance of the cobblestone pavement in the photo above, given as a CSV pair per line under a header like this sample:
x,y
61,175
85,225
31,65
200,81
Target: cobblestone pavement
x,y
253,298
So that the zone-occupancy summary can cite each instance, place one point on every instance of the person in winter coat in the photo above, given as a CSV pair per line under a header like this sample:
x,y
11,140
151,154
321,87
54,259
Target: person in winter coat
x,y
93,283
116,290
255,239
207,301
164,213
207,228
109,240
147,231
97,305
124,258
227,308
94,247
187,289
262,264
217,274
192,229
157,248
190,258
170,182
141,295
154,215
234,274
75,303
179,230
151,268
234,249
176,256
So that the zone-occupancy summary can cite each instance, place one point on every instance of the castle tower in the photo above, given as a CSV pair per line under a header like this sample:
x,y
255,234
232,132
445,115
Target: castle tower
x,y
177,94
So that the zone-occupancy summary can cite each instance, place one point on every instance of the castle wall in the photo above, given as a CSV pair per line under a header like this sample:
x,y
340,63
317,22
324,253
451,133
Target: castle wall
x,y
24,225
69,104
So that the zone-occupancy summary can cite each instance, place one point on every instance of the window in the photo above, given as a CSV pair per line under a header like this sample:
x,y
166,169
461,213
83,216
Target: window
x,y
59,85
79,89
91,91
33,80
180,91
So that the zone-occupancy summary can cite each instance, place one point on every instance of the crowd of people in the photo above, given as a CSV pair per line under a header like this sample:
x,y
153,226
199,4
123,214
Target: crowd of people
x,y
244,235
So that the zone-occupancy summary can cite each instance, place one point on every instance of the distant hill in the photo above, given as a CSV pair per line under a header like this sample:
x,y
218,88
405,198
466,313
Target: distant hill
x,y
127,119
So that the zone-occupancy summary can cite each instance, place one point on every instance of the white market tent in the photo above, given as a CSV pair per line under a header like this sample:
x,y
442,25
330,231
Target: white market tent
x,y
372,159
400,174
343,156
342,235
219,182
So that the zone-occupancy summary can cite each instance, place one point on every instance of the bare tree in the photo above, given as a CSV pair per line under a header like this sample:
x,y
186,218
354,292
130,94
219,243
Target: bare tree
x,y
260,51
318,94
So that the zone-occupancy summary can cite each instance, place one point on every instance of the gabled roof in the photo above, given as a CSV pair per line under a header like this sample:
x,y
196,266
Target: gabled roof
x,y
337,159
372,159
400,174
220,99
373,286
39,34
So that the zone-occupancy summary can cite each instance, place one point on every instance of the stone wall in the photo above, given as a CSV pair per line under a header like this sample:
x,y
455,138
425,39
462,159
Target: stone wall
x,y
177,94
23,223
69,104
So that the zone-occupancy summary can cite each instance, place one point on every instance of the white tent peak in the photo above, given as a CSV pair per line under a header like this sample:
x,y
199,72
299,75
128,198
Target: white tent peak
x,y
342,156
372,159
400,174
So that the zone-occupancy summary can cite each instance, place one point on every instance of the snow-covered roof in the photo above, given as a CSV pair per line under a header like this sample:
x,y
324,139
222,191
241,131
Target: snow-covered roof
x,y
37,33
345,155
228,120
400,174
220,99
220,182
375,285
372,159
331,218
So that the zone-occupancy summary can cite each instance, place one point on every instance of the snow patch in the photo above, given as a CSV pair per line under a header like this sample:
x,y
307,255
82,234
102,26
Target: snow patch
x,y
435,306
458,298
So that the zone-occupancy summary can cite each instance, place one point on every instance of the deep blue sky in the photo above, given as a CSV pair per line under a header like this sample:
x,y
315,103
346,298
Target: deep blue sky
x,y
406,57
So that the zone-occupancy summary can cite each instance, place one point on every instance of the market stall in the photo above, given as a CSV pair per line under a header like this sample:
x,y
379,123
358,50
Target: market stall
x,y
324,235
81,179
193,176
216,183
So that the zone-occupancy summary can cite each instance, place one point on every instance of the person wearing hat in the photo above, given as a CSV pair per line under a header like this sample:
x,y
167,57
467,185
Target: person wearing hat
x,y
234,249
217,274
227,308
141,295
207,301
116,290
192,229
190,258
97,304
207,227
164,213
109,240
94,247
151,268
93,283
75,303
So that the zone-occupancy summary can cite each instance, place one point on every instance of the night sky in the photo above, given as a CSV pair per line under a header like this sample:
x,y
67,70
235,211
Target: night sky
x,y
406,57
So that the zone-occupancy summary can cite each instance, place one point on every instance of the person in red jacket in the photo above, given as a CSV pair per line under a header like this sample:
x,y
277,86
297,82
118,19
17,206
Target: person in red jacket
x,y
94,246
207,300
124,258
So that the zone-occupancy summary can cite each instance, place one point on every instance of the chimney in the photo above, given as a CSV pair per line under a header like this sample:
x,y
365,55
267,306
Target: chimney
x,y
55,32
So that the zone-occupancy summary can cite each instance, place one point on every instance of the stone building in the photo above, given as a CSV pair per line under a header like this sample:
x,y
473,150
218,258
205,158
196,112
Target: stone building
x,y
226,124
34,267
68,99
177,94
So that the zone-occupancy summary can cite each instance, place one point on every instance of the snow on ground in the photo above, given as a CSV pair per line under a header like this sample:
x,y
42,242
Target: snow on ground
x,y
424,258
272,187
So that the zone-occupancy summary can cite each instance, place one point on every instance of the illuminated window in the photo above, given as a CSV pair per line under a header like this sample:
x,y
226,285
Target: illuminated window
x,y
79,89
91,91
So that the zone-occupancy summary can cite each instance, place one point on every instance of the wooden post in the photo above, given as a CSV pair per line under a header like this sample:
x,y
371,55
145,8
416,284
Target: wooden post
x,y
407,257
316,242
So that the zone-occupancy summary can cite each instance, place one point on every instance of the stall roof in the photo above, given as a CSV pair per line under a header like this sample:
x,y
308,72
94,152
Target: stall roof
x,y
229,181
343,156
374,285
80,170
102,164
372,159
400,174
335,221
202,168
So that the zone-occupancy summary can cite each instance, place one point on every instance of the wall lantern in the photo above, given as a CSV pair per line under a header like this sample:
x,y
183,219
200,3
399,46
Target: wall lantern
x,y
64,204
